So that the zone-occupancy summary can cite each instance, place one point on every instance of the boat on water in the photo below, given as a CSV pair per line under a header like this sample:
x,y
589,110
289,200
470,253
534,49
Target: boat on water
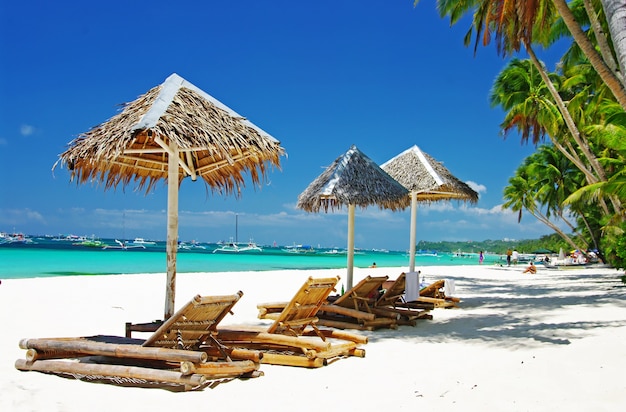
x,y
122,245
14,238
235,247
191,245
70,238
335,252
299,249
92,242
142,241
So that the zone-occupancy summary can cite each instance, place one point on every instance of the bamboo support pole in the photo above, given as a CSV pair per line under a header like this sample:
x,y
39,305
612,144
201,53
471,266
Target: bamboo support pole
x,y
218,370
340,334
234,337
293,360
345,349
353,313
118,373
343,324
87,347
234,353
172,229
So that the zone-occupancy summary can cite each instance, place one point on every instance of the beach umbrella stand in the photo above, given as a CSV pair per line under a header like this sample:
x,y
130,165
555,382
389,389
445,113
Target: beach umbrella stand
x,y
353,179
173,131
427,181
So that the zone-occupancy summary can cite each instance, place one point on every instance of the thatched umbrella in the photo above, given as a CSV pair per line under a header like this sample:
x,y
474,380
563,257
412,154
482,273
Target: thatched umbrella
x,y
173,131
354,180
428,181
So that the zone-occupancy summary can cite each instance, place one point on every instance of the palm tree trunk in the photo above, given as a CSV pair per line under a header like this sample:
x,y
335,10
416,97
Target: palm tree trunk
x,y
603,44
615,12
612,82
580,141
539,216
569,121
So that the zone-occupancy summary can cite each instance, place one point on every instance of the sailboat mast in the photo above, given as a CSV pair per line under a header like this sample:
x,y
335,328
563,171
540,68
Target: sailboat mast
x,y
236,228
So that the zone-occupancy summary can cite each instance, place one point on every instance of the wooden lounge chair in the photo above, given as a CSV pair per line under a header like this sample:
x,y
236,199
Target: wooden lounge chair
x,y
294,339
392,300
182,353
355,308
430,297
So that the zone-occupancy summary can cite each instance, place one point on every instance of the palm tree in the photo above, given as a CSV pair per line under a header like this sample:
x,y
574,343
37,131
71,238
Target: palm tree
x,y
615,11
520,90
588,48
516,24
521,194
554,178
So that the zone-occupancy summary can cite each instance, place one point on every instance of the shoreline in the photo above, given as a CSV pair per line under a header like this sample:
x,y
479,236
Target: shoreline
x,y
517,342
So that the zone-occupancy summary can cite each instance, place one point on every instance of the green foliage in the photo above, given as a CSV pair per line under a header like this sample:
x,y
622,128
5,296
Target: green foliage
x,y
551,242
614,247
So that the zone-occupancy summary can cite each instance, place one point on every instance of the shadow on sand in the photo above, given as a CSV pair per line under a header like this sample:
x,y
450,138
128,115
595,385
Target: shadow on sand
x,y
520,312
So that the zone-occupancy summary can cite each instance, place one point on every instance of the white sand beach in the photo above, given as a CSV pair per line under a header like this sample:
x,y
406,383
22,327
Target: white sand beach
x,y
518,342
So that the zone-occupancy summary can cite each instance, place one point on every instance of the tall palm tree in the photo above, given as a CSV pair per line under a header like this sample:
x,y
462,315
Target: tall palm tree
x,y
615,11
516,23
554,178
608,76
520,90
521,194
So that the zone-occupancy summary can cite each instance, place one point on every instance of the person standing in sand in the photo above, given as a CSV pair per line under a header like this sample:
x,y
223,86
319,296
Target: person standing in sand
x,y
515,256
481,257
508,257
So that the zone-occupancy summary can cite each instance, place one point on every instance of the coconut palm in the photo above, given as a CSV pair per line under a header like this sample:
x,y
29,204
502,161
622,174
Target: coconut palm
x,y
515,25
522,194
615,10
588,48
520,90
554,178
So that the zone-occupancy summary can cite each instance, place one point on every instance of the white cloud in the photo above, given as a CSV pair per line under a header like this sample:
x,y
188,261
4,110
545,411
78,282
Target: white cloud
x,y
26,130
477,187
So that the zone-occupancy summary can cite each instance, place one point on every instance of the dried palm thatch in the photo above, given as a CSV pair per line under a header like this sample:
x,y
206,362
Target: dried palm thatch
x,y
419,172
212,140
428,181
173,131
353,179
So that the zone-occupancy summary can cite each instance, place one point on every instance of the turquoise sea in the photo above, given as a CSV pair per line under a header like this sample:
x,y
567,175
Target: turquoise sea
x,y
45,258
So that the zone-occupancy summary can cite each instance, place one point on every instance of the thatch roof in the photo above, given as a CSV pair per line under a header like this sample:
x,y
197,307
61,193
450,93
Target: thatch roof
x,y
213,141
355,179
419,172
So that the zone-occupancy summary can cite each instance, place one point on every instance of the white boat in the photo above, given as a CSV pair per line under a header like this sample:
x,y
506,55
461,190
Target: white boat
x,y
14,238
234,247
189,246
299,249
123,246
335,252
142,241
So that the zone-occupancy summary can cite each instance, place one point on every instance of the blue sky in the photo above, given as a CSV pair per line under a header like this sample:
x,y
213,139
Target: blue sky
x,y
318,76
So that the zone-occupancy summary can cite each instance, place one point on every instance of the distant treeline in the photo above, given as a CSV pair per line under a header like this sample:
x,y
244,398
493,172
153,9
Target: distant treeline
x,y
549,242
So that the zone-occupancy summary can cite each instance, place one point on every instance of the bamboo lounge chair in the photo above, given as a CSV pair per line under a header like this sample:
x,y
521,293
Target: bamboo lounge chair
x,y
294,339
182,354
392,300
355,308
430,297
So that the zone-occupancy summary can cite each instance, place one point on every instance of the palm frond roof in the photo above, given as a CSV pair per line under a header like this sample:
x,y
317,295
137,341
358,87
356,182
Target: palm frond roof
x,y
211,141
353,178
419,172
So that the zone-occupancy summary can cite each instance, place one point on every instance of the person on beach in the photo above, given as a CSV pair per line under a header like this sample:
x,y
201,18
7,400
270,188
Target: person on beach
x,y
515,256
508,257
373,265
481,257
531,268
